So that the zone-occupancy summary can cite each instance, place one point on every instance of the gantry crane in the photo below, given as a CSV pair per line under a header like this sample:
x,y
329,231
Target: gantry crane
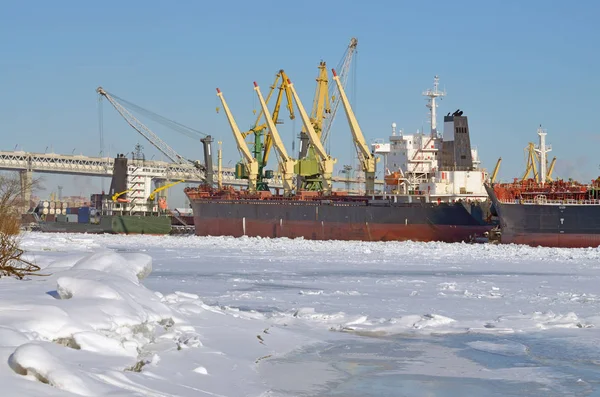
x,y
250,163
367,158
151,137
286,162
325,161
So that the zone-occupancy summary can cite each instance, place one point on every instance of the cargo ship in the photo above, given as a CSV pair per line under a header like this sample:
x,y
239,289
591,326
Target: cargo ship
x,y
433,191
540,211
125,209
553,214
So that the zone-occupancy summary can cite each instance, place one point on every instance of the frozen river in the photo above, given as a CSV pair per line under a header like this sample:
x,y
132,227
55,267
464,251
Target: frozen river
x,y
374,319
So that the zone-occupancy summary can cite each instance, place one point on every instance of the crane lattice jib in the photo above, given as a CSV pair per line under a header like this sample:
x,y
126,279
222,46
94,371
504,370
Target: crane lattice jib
x,y
144,131
283,88
344,72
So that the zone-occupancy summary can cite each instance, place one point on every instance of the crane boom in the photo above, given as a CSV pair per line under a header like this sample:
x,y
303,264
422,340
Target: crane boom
x,y
326,162
286,163
163,187
496,169
368,159
551,169
251,163
290,106
144,131
344,70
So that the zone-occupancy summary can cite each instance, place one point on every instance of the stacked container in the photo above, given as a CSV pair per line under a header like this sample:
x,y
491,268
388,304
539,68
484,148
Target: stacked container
x,y
83,215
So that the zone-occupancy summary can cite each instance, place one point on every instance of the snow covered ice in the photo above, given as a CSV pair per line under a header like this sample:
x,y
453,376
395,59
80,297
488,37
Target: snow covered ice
x,y
191,316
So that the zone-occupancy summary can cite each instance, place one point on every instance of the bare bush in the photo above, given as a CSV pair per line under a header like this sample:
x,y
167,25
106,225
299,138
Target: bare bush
x,y
12,262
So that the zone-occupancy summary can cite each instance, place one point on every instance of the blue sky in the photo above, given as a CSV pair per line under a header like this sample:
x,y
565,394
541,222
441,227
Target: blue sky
x,y
510,65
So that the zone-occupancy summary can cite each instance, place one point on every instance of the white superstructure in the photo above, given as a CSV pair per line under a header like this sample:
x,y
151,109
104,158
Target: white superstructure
x,y
413,162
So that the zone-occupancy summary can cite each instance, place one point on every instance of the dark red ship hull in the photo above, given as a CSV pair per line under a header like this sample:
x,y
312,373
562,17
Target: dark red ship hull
x,y
552,239
330,220
314,230
573,224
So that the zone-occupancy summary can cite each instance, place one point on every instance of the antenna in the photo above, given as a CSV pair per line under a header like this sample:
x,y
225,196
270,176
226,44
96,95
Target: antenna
x,y
433,94
393,129
542,149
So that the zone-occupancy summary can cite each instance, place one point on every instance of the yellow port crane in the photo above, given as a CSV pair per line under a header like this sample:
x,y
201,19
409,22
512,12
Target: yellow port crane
x,y
307,167
325,161
258,129
159,189
368,158
286,163
250,163
325,104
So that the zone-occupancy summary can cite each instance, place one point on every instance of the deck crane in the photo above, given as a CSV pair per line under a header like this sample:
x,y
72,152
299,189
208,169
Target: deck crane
x,y
495,172
250,163
326,162
159,189
286,162
344,71
532,159
259,129
550,170
206,169
368,158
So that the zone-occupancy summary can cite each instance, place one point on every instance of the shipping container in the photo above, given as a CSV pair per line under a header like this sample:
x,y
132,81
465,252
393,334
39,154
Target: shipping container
x,y
61,218
83,215
72,218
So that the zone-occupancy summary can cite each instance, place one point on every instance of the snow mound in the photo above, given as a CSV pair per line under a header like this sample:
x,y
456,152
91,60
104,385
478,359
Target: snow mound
x,y
133,266
98,322
34,360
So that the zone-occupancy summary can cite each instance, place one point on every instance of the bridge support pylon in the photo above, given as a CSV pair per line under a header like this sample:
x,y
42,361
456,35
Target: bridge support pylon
x,y
26,178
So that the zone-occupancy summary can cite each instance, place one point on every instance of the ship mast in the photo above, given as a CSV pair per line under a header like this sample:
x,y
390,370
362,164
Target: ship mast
x,y
433,94
542,149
